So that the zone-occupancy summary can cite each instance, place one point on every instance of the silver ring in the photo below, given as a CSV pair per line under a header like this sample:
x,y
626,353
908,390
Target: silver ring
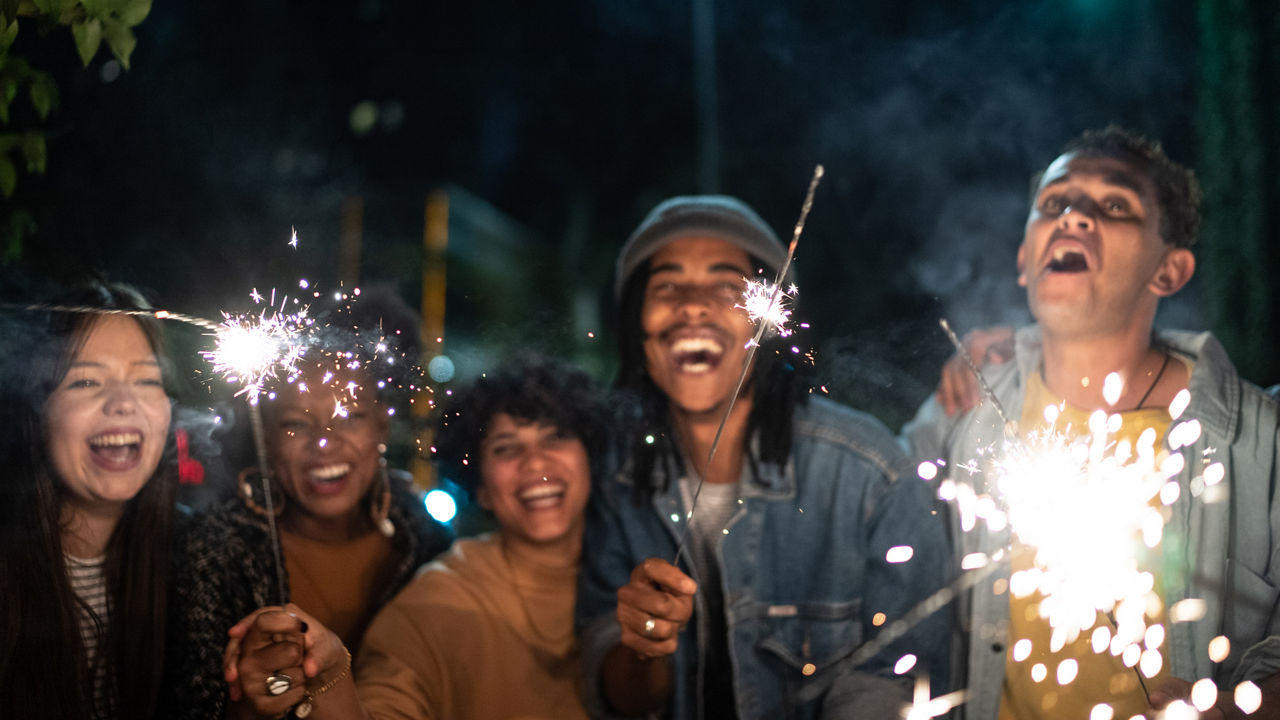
x,y
649,625
279,684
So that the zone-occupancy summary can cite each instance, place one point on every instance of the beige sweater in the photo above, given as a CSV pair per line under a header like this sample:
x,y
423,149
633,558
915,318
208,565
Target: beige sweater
x,y
479,634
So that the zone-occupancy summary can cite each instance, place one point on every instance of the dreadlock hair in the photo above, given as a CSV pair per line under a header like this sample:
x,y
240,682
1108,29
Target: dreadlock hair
x,y
44,670
778,383
1177,190
529,388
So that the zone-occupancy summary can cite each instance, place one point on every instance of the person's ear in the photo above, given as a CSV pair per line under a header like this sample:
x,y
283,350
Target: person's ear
x,y
1175,270
1022,264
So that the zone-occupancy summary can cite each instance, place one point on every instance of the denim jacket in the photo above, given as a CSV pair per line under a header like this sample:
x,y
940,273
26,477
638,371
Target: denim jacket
x,y
804,573
1212,539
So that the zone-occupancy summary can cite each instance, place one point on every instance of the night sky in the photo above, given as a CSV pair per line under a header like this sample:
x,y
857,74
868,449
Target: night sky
x,y
555,126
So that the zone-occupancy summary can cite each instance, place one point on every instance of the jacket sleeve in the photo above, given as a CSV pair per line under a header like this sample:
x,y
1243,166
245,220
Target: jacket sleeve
x,y
607,561
906,516
924,437
210,593
1256,600
399,672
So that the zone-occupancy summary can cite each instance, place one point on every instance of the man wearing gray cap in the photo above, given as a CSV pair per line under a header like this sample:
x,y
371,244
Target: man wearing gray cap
x,y
810,531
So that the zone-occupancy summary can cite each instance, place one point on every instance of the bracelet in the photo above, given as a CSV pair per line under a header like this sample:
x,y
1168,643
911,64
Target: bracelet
x,y
304,708
336,678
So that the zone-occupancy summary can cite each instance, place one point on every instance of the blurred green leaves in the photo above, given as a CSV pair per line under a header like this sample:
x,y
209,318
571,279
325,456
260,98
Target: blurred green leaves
x,y
33,93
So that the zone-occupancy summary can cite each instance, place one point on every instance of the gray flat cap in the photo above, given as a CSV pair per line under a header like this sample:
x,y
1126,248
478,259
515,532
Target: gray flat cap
x,y
719,216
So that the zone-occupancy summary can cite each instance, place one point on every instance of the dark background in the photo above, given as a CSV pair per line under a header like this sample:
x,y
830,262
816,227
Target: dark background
x,y
554,126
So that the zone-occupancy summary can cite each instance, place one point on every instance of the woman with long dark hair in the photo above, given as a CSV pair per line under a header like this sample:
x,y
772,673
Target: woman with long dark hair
x,y
85,510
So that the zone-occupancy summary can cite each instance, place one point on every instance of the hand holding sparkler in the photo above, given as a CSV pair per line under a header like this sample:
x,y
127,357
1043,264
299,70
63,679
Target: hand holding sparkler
x,y
654,606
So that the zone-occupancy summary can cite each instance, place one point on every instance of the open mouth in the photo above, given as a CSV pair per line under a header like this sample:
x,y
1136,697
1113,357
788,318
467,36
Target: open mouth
x,y
329,474
542,496
116,448
1066,259
696,354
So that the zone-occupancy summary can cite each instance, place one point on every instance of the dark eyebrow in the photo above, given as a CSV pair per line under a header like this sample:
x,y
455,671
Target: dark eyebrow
x,y
665,267
729,267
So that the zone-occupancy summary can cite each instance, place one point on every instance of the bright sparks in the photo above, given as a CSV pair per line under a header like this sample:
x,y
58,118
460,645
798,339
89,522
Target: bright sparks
x,y
251,349
768,303
1090,507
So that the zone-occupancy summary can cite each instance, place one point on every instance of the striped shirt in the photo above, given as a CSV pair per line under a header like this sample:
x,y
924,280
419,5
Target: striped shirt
x,y
89,582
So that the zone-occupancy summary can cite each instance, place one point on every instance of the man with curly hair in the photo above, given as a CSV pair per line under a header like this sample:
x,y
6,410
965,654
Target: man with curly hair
x,y
1109,234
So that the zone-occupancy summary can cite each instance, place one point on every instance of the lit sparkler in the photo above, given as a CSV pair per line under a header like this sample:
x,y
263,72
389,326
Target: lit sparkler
x,y
766,305
1053,483
1047,484
773,302
252,349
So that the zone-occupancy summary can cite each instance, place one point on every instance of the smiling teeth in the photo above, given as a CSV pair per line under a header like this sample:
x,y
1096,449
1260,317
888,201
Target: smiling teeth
x,y
330,472
542,490
116,439
696,345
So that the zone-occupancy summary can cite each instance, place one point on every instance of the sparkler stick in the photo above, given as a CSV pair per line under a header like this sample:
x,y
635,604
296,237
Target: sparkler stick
x,y
751,349
922,610
252,350
982,381
264,474
157,314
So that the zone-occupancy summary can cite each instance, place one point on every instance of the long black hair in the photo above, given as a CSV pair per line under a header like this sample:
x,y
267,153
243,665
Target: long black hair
x,y
44,671
779,382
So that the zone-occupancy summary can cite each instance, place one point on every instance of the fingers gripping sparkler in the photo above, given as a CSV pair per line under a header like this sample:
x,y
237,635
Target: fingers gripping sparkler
x,y
770,314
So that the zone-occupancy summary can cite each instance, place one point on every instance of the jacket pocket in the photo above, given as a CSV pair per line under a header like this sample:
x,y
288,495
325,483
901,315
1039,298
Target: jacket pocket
x,y
810,638
1251,607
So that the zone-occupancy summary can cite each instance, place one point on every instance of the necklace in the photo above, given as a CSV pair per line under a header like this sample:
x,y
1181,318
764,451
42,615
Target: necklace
x,y
549,640
1159,375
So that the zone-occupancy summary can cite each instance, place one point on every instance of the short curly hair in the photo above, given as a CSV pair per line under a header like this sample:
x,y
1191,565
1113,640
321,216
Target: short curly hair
x,y
1177,190
529,388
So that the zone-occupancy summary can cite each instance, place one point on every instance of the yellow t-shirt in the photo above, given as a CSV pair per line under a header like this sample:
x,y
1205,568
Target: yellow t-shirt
x,y
1101,678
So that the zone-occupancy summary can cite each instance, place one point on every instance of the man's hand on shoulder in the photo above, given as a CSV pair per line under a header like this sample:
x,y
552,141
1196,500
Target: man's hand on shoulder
x,y
958,390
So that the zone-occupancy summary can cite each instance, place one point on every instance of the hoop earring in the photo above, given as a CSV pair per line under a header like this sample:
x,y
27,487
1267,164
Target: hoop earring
x,y
247,491
380,502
